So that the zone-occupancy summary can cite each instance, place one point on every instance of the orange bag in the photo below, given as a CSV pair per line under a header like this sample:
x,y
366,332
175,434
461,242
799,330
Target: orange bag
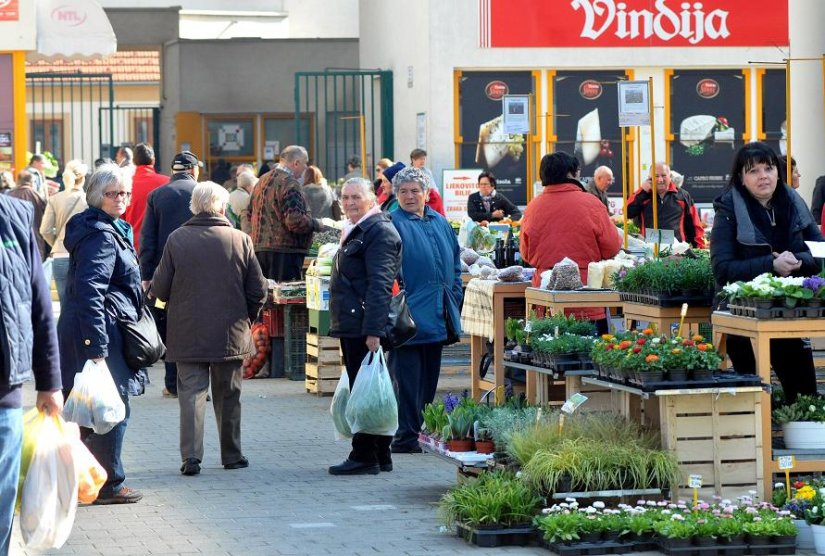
x,y
90,474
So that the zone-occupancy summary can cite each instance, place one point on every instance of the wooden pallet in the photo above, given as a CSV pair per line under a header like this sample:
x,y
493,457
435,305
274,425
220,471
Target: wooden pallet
x,y
324,364
320,386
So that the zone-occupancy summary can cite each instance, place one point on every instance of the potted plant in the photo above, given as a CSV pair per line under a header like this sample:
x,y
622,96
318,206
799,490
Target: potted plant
x,y
495,509
459,429
484,442
803,423
560,525
677,531
729,530
758,531
817,286
815,516
435,418
783,531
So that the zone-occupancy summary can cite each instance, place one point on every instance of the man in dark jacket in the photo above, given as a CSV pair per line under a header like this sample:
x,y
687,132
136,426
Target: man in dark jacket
x,y
167,208
676,210
29,347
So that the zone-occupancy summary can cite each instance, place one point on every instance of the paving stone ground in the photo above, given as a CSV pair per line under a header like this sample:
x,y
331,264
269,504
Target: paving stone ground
x,y
284,503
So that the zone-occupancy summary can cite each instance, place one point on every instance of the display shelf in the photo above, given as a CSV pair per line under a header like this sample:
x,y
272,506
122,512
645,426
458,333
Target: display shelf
x,y
761,332
608,493
733,390
462,465
664,317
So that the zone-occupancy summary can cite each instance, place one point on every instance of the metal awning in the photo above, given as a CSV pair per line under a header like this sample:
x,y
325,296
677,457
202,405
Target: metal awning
x,y
72,29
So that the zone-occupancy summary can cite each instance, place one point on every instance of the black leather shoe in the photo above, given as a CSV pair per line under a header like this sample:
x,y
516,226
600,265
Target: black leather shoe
x,y
350,467
240,464
190,467
406,449
385,466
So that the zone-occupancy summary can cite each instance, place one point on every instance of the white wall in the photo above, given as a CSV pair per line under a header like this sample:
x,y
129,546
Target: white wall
x,y
22,34
326,19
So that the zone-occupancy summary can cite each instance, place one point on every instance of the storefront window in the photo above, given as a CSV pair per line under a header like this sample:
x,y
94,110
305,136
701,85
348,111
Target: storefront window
x,y
279,132
231,138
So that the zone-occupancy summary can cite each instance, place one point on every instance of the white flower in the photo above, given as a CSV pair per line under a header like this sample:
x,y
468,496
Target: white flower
x,y
666,512
677,517
598,504
732,289
569,499
655,340
811,408
546,511
779,485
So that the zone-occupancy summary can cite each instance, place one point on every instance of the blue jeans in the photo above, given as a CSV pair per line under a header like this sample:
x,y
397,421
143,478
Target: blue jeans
x,y
11,439
107,448
60,270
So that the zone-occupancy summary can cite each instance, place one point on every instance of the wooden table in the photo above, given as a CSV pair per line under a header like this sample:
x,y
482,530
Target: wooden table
x,y
663,317
761,332
556,301
501,291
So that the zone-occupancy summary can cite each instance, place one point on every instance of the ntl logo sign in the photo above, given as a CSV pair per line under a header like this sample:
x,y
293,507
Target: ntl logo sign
x,y
69,15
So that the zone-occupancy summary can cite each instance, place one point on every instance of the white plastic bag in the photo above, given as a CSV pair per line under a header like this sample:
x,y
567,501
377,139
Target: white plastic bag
x,y
94,401
372,407
338,408
49,496
465,231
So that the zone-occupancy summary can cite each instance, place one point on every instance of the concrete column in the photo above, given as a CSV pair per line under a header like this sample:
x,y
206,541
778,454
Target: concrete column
x,y
805,19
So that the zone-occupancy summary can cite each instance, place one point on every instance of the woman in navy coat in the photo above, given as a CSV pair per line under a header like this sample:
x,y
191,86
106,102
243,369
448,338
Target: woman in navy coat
x,y
431,276
102,288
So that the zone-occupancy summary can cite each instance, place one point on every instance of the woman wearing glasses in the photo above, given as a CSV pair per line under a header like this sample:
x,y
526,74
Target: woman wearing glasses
x,y
102,288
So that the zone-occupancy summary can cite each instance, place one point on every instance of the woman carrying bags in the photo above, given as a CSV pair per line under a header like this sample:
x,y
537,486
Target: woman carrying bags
x,y
360,293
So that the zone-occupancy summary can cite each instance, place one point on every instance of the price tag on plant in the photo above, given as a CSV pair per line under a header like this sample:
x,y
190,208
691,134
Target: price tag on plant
x,y
528,326
786,462
695,481
573,403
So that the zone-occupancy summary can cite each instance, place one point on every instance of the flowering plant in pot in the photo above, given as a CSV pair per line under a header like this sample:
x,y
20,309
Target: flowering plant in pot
x,y
435,419
693,355
817,286
459,431
678,530
803,422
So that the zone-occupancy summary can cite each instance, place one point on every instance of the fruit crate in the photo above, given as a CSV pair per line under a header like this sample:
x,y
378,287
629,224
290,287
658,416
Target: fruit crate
x,y
324,364
296,323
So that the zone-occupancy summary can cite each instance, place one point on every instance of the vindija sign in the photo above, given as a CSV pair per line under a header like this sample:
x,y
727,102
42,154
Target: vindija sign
x,y
577,23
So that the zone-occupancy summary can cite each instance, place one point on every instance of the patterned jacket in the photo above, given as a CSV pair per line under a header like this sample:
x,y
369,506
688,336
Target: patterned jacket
x,y
281,220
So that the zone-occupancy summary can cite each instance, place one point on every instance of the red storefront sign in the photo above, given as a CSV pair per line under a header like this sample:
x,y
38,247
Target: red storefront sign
x,y
629,23
9,10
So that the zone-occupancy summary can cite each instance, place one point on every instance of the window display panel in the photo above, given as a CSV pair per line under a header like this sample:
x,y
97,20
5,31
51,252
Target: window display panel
x,y
485,144
231,138
707,122
774,115
585,115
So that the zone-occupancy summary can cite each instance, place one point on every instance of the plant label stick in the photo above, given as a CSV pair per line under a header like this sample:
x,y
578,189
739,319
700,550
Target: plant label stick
x,y
695,482
786,463
682,316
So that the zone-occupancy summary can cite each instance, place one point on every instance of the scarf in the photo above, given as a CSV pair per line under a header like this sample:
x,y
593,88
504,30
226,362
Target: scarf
x,y
349,226
487,200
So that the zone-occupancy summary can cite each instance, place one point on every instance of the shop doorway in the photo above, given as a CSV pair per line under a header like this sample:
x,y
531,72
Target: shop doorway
x,y
337,100
126,126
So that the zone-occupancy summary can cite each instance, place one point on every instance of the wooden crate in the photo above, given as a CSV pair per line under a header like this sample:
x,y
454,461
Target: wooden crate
x,y
716,436
320,386
599,398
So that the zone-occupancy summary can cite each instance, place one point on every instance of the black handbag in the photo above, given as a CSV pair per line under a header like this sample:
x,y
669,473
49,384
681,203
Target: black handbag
x,y
142,345
400,327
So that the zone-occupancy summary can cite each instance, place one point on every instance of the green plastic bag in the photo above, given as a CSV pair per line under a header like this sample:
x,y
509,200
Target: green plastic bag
x,y
372,407
338,408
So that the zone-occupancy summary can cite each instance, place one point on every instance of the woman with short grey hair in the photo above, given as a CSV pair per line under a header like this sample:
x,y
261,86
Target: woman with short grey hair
x,y
102,288
411,174
207,258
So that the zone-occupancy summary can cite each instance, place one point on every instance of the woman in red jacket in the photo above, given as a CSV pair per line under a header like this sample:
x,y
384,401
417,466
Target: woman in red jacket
x,y
566,221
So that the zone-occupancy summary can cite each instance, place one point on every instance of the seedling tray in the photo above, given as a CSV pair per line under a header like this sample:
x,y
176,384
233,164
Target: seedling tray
x,y
667,301
725,380
491,538
728,550
595,548
777,312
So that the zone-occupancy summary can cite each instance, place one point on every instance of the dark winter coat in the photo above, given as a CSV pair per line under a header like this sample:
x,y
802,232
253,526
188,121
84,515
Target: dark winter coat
x,y
739,248
102,288
477,212
214,287
167,208
360,287
26,316
431,271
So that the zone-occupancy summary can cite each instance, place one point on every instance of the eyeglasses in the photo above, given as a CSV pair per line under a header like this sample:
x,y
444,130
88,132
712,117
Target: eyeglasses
x,y
117,195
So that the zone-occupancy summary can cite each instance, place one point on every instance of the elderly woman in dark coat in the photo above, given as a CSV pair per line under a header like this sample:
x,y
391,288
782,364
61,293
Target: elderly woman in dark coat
x,y
102,288
214,287
431,273
761,225
360,293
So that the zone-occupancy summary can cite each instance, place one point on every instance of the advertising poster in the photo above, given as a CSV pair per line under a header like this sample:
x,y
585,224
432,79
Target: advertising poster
x,y
773,110
586,120
486,145
9,10
707,119
458,185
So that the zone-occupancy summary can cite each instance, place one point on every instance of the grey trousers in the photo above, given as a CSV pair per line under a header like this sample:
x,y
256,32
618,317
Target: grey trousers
x,y
193,385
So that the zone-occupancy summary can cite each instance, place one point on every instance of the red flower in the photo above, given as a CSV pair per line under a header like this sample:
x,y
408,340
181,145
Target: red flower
x,y
637,349
641,341
688,343
625,344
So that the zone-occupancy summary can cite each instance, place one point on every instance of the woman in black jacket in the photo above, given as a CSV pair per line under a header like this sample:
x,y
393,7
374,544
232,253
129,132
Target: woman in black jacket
x,y
761,225
360,293
488,204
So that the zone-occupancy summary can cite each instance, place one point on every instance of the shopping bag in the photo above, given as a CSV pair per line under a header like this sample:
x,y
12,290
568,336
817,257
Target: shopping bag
x,y
48,501
90,474
94,401
32,425
338,408
372,407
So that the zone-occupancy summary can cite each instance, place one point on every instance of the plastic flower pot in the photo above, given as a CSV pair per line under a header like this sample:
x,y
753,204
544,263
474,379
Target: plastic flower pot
x,y
819,538
804,435
485,446
703,374
646,377
804,535
677,375
463,445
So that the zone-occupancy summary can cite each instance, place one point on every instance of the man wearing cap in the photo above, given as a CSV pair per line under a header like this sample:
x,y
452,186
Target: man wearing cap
x,y
282,225
167,208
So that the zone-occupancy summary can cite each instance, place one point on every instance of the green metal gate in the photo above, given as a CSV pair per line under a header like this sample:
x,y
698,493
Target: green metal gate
x,y
335,100
65,114
126,126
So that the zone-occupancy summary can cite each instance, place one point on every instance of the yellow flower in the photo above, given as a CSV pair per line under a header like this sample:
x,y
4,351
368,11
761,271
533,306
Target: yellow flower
x,y
805,493
607,337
